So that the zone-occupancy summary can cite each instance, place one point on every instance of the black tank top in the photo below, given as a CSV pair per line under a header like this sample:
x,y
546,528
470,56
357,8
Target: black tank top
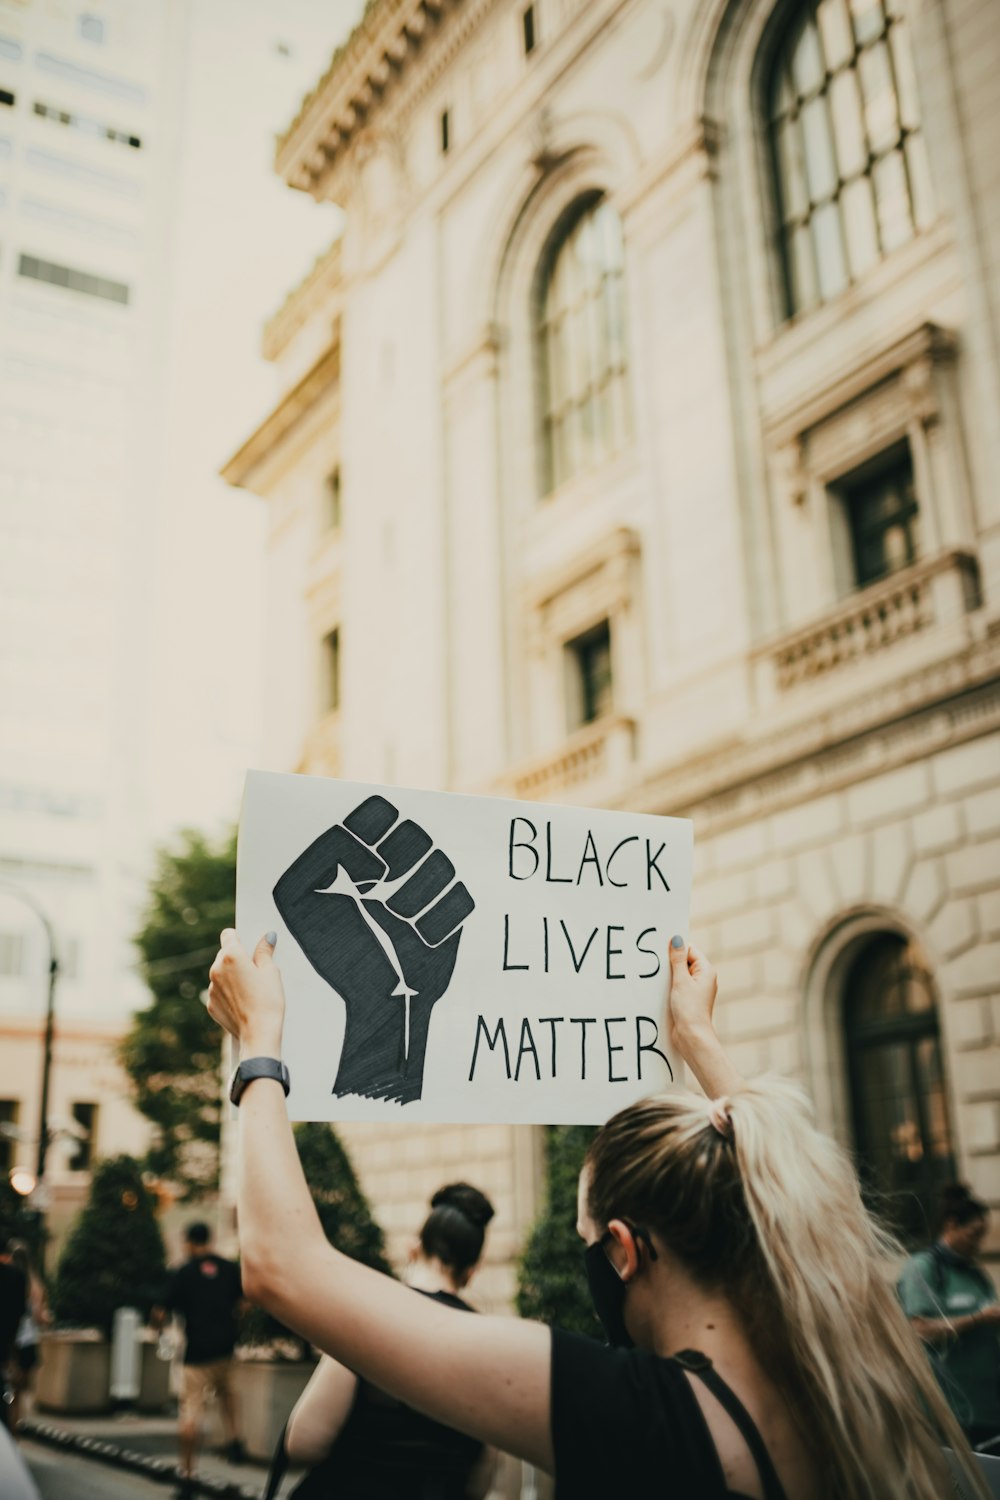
x,y
388,1451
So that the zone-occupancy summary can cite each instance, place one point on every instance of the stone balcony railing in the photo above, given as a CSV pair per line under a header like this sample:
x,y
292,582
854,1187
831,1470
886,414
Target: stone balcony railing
x,y
928,594
321,751
600,754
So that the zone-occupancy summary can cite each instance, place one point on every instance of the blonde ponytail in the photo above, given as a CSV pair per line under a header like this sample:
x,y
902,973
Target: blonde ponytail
x,y
769,1209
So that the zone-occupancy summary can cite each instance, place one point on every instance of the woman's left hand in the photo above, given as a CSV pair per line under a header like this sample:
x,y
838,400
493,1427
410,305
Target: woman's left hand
x,y
245,995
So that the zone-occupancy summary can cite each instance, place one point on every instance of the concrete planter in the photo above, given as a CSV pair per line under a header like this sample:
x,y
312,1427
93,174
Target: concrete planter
x,y
154,1379
266,1392
75,1372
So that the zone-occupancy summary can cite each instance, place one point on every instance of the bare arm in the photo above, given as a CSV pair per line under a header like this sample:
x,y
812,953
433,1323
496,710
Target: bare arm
x,y
946,1330
693,989
488,1377
319,1415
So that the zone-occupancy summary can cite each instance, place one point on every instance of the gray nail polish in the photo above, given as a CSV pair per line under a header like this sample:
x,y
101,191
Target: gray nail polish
x,y
677,942
271,938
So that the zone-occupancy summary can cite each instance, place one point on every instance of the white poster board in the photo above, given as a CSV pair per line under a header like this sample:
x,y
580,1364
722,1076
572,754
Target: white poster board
x,y
456,958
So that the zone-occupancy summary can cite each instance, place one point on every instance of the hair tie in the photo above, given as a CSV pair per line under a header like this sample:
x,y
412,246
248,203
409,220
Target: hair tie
x,y
720,1118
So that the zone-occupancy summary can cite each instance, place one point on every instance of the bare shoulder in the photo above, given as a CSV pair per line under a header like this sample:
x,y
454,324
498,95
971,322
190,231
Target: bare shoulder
x,y
776,1425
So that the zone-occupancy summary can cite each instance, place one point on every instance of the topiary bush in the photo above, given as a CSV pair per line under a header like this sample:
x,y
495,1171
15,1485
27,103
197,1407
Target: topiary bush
x,y
114,1256
344,1213
551,1283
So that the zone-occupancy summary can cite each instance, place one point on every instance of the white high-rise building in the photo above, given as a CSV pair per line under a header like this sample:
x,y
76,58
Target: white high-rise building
x,y
88,109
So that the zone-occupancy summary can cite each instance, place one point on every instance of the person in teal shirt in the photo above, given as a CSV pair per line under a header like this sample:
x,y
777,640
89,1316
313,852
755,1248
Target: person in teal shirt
x,y
953,1306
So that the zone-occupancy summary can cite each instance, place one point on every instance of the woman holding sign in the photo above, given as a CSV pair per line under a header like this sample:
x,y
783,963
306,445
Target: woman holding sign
x,y
757,1348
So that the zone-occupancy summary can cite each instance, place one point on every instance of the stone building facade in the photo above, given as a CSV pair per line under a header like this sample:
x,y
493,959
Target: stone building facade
x,y
636,446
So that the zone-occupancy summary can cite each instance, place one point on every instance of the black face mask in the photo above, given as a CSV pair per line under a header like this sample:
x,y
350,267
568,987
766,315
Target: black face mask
x,y
607,1291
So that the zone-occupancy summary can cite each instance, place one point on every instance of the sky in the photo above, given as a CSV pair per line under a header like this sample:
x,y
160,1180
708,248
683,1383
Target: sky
x,y
243,239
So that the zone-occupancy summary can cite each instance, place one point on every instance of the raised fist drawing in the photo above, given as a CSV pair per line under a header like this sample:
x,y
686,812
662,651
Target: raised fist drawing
x,y
379,915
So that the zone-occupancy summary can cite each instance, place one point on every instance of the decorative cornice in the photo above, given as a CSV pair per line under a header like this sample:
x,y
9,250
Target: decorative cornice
x,y
279,422
317,284
360,74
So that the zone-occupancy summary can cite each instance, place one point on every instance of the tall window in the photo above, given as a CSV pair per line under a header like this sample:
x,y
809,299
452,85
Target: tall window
x,y
9,1110
82,1155
589,684
901,1127
581,343
875,519
850,161
330,670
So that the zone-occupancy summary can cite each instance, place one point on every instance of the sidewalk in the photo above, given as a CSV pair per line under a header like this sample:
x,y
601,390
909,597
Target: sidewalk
x,y
148,1445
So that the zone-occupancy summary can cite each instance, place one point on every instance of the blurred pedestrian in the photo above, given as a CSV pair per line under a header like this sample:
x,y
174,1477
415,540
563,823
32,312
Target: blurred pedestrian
x,y
362,1444
953,1306
207,1293
27,1340
13,1300
758,1348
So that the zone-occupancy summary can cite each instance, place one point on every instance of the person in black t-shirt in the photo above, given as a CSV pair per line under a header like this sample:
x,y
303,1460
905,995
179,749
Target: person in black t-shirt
x,y
756,1346
206,1292
362,1444
13,1301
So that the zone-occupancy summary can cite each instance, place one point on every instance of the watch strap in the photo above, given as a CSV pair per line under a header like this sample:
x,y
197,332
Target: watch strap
x,y
258,1067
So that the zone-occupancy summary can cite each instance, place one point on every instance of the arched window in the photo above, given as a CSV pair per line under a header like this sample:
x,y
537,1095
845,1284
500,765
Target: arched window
x,y
849,158
901,1129
581,343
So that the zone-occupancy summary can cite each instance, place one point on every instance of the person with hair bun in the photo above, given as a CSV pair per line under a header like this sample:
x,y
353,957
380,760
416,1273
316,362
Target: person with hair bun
x,y
360,1443
953,1306
757,1350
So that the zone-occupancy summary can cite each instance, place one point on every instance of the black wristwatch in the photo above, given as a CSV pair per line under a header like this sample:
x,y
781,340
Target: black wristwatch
x,y
258,1067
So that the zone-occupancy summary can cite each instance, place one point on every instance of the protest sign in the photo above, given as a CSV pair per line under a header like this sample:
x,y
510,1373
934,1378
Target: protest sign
x,y
456,958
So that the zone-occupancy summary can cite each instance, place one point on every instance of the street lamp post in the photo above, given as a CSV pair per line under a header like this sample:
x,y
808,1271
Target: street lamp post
x,y
9,889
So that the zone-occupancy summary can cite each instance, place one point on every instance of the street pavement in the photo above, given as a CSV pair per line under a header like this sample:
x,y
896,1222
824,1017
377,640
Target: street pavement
x,y
68,1476
72,1475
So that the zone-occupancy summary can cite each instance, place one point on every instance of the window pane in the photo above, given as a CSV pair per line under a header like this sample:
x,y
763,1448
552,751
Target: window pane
x,y
803,274
859,224
829,251
816,136
920,181
835,29
906,78
868,19
880,98
807,60
795,193
893,200
931,1084
848,126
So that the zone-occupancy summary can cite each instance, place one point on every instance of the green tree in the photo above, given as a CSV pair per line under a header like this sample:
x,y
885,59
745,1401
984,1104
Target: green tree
x,y
173,1051
343,1210
551,1284
114,1254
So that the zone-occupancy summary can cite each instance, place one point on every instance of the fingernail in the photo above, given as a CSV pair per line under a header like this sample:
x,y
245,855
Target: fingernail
x,y
677,941
271,938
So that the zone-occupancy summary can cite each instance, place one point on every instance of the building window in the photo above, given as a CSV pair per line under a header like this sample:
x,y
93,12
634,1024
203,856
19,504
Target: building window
x,y
73,280
445,132
82,1155
588,674
330,686
11,954
331,500
581,343
9,1111
877,514
6,97
87,125
528,29
91,28
849,159
902,1133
